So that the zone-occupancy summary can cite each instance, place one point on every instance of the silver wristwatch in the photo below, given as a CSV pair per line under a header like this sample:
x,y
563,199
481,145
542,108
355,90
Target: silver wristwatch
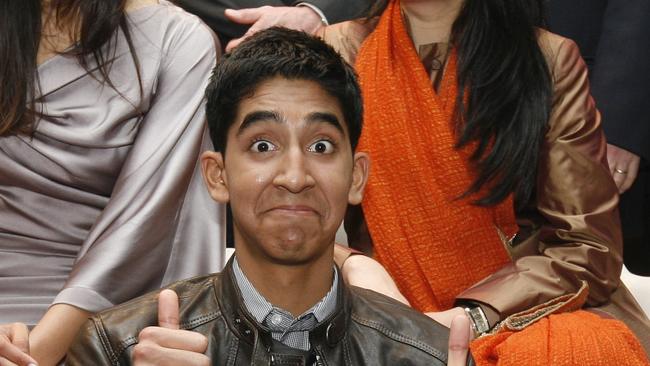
x,y
478,320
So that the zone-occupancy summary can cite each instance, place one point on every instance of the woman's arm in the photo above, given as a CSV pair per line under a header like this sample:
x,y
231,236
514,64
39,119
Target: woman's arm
x,y
51,338
362,271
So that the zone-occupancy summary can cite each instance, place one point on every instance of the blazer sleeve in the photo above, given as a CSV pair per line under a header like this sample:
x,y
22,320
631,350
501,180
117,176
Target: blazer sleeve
x,y
621,75
579,240
160,224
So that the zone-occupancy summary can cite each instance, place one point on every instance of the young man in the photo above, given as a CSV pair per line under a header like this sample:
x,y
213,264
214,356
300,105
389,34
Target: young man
x,y
285,116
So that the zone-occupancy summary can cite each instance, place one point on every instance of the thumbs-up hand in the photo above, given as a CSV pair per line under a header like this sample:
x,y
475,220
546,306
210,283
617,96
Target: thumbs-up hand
x,y
168,316
459,337
166,344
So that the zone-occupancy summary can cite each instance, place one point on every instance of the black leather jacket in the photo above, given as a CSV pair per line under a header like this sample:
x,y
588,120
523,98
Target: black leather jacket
x,y
365,329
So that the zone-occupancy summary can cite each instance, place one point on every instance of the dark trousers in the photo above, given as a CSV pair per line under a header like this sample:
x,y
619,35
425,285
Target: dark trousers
x,y
635,219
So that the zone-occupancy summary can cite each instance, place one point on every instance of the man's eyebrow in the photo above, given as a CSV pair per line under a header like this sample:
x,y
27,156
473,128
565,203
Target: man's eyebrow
x,y
328,118
256,117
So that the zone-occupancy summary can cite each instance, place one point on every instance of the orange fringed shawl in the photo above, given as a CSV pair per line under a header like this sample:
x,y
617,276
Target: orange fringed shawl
x,y
433,244
577,338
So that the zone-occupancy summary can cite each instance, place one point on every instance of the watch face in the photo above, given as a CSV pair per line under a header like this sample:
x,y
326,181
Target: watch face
x,y
479,319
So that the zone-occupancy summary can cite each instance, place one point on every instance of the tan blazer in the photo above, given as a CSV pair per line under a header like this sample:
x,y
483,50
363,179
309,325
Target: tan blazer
x,y
568,252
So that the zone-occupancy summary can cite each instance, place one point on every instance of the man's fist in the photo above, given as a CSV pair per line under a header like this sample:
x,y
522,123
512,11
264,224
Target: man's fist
x,y
166,344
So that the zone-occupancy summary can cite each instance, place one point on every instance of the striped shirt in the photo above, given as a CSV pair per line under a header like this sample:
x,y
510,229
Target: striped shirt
x,y
293,332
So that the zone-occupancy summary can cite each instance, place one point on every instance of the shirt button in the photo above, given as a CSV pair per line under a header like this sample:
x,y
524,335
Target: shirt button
x,y
276,319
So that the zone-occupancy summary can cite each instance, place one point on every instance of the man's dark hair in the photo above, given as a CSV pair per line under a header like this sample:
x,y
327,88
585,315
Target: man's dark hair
x,y
285,53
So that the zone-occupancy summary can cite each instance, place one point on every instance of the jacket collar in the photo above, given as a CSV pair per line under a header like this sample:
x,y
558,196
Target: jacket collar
x,y
246,328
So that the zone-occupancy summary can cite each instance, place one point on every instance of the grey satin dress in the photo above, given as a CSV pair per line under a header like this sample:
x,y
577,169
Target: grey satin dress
x,y
105,201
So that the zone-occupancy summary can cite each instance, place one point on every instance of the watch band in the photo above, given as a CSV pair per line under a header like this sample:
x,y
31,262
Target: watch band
x,y
478,320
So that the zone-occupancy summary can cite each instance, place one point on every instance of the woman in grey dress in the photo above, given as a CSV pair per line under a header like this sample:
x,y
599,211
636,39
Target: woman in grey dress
x,y
100,198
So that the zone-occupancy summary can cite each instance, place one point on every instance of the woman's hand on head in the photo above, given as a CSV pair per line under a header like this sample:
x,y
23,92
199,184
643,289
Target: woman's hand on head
x,y
14,345
301,18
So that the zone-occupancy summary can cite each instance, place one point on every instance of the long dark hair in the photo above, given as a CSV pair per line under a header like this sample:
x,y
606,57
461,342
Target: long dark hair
x,y
504,77
95,22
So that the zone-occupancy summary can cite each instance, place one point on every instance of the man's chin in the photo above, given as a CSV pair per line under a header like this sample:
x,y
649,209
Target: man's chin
x,y
293,251
290,261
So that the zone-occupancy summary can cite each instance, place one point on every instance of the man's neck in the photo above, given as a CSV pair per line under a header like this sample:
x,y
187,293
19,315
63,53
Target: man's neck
x,y
294,288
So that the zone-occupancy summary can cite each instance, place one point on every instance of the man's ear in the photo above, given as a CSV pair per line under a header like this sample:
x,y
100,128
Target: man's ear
x,y
214,176
359,177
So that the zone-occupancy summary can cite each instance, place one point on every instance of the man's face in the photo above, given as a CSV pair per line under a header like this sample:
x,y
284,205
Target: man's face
x,y
288,171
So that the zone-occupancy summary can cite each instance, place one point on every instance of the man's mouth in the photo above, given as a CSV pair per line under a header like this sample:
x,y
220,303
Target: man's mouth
x,y
297,210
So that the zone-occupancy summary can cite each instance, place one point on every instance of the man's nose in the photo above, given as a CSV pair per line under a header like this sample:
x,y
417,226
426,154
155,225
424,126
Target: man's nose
x,y
294,173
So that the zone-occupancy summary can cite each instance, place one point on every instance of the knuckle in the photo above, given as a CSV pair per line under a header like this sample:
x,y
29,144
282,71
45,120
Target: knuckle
x,y
202,342
142,351
147,333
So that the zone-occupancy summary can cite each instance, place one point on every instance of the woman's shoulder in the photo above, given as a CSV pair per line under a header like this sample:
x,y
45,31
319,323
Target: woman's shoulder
x,y
157,14
560,52
347,37
573,107
166,26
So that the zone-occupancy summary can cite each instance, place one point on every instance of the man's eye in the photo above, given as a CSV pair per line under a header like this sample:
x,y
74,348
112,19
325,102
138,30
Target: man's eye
x,y
263,146
321,147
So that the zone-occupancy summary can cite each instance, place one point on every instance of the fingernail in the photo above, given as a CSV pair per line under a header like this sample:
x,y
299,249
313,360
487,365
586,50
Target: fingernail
x,y
32,364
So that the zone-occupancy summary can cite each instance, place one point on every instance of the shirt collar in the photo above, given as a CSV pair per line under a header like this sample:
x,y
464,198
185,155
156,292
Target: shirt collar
x,y
260,308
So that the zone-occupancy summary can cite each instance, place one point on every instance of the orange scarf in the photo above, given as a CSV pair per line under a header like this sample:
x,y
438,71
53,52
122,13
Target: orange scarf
x,y
577,338
433,244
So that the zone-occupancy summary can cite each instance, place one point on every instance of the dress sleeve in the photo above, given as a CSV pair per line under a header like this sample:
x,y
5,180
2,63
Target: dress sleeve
x,y
579,240
160,223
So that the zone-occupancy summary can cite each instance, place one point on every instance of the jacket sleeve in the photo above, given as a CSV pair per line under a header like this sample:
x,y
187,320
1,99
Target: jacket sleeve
x,y
621,75
160,224
580,237
88,348
337,11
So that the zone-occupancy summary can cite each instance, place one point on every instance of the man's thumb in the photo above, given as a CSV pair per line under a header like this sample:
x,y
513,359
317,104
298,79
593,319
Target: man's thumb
x,y
168,309
459,338
244,16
